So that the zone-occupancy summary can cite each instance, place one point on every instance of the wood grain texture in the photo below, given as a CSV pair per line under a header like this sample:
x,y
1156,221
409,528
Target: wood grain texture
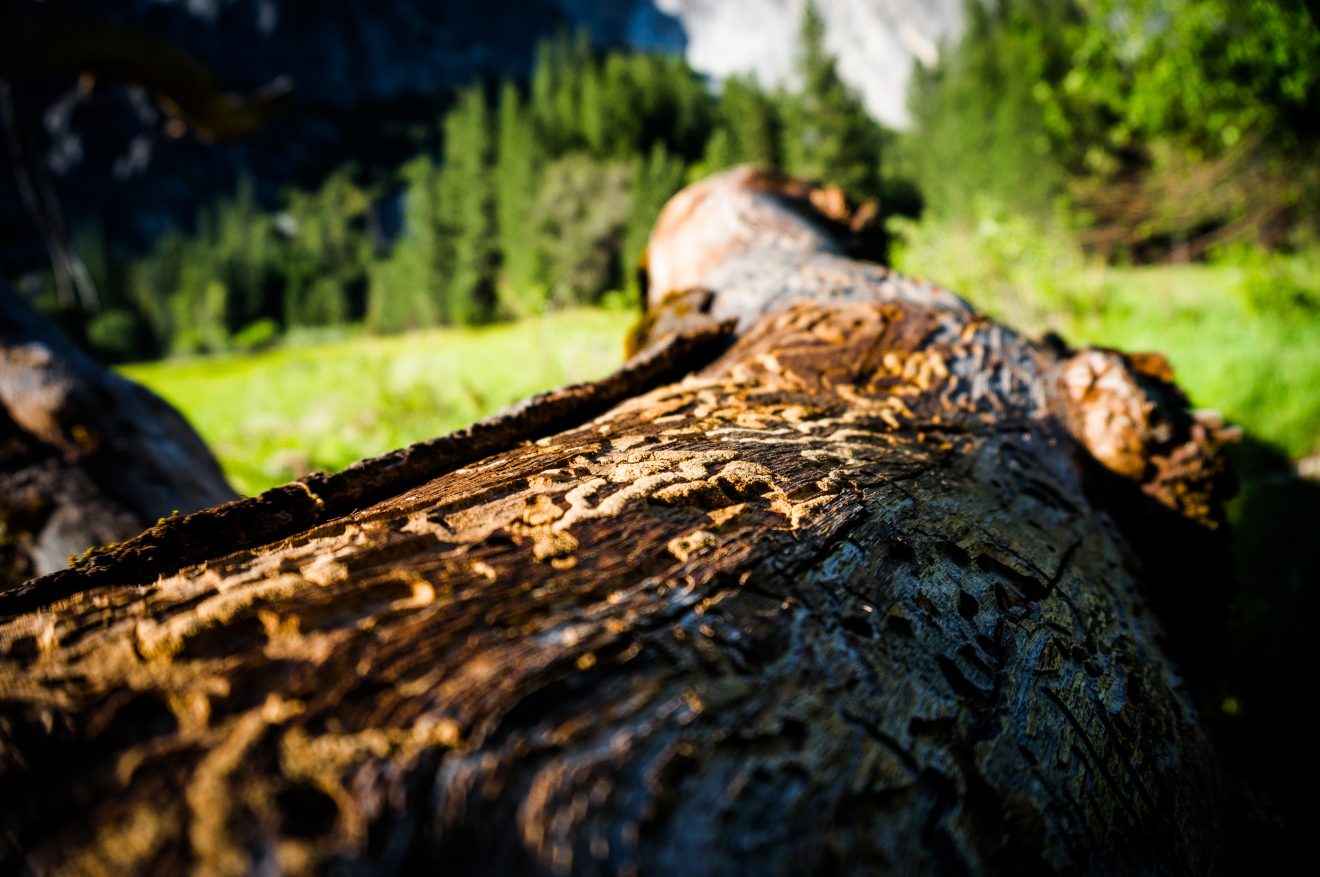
x,y
857,594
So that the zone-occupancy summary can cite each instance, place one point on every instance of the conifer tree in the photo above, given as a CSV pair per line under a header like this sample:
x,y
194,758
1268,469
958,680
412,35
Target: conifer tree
x,y
592,113
978,128
752,121
406,287
827,133
242,236
542,102
152,282
520,289
466,211
326,252
720,152
655,180
748,130
622,97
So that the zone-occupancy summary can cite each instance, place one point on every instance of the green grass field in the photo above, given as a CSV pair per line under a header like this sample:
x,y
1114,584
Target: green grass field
x,y
277,415
274,416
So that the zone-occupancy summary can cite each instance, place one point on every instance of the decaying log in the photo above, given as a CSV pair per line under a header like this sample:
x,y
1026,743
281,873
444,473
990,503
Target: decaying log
x,y
86,457
860,592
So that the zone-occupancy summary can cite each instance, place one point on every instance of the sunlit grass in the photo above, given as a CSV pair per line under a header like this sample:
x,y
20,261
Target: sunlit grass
x,y
1260,370
277,415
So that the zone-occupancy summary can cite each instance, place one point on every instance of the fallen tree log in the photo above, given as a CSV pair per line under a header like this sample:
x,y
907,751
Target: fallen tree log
x,y
87,457
869,589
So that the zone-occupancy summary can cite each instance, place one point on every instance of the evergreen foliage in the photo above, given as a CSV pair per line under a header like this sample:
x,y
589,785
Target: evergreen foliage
x,y
750,124
655,180
1150,126
406,287
465,211
518,159
827,134
578,224
543,198
324,254
978,128
545,201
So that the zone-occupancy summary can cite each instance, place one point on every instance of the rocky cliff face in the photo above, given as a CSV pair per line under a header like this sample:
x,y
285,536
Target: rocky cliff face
x,y
875,41
367,77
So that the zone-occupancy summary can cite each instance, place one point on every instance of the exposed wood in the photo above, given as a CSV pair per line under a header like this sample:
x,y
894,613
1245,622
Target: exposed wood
x,y
86,457
859,593
290,509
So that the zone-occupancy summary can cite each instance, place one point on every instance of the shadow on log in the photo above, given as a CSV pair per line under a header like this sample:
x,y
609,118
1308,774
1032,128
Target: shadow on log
x,y
859,593
86,457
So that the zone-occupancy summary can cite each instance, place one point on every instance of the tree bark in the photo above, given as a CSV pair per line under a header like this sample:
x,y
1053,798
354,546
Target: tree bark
x,y
861,592
86,457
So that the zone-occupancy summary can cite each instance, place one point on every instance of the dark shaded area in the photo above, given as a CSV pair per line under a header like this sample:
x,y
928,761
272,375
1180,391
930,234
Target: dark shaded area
x,y
368,81
1260,710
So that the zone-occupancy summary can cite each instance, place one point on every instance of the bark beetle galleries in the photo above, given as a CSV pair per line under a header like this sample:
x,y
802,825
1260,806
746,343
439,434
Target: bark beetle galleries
x,y
844,599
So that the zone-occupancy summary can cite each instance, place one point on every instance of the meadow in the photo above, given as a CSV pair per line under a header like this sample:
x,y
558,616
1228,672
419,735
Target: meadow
x,y
322,402
1241,338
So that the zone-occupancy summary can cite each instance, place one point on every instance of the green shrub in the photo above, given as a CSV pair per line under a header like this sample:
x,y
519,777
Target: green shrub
x,y
115,334
1006,264
258,335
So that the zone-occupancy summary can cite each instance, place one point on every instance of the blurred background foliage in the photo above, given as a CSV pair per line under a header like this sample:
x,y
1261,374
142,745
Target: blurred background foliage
x,y
325,399
538,195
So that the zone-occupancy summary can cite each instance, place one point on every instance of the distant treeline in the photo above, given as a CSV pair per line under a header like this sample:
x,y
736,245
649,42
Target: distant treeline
x,y
538,196
1152,128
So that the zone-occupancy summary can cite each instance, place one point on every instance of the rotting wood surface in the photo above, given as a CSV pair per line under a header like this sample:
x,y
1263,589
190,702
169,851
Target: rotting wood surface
x,y
87,457
847,598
